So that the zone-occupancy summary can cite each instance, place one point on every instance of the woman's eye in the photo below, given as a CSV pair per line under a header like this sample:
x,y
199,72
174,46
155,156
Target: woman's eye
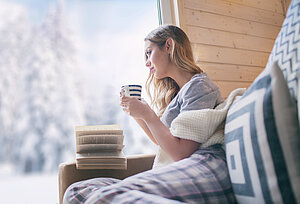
x,y
147,54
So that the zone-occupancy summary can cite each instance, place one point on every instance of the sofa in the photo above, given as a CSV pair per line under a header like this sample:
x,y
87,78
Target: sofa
x,y
262,136
68,173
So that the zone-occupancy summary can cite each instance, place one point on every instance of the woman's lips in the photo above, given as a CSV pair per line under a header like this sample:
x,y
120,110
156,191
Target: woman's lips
x,y
151,69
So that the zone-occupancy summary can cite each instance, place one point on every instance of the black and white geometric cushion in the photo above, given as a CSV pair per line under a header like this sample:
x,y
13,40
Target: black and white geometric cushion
x,y
262,140
262,136
286,48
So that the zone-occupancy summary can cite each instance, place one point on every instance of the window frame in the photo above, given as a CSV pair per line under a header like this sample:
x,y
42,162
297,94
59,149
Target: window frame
x,y
169,12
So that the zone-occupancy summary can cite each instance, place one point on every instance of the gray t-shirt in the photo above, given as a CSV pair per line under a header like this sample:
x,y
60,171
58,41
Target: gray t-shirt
x,y
199,93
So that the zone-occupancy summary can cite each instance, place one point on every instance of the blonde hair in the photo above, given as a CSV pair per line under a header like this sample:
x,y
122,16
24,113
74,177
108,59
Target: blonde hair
x,y
162,91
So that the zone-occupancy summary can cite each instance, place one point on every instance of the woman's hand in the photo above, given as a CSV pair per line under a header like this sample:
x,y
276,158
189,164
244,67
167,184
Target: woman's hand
x,y
135,107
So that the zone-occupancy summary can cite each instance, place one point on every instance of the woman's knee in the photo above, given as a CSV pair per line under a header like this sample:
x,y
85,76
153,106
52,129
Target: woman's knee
x,y
80,191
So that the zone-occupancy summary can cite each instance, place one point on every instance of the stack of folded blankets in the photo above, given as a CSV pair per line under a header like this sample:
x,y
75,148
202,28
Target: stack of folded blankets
x,y
100,147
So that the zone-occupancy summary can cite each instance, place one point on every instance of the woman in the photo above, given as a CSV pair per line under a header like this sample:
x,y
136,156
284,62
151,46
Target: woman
x,y
191,170
170,59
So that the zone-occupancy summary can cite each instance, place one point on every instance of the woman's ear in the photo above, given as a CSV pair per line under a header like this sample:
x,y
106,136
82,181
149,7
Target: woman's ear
x,y
169,45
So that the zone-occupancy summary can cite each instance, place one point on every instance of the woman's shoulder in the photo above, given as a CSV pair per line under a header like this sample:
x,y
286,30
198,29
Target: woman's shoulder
x,y
200,82
200,92
200,78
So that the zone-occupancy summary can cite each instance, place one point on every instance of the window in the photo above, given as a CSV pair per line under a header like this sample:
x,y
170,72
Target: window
x,y
62,64
168,12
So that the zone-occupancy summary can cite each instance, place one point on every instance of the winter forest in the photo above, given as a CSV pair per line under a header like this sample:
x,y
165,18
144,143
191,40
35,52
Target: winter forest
x,y
42,96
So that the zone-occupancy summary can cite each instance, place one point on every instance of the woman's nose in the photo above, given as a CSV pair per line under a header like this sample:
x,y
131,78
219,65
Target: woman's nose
x,y
148,63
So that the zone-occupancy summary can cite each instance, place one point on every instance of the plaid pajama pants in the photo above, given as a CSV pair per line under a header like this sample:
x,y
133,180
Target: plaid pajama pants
x,y
201,178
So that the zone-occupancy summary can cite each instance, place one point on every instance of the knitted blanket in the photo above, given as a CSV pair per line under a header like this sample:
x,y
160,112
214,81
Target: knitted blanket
x,y
205,126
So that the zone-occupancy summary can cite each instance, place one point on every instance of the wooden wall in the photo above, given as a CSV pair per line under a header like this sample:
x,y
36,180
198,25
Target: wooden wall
x,y
232,39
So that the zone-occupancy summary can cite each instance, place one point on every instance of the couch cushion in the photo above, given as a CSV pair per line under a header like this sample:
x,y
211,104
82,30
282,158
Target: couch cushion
x,y
286,48
262,140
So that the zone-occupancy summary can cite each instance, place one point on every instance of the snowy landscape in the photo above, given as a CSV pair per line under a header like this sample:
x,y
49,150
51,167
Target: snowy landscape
x,y
62,65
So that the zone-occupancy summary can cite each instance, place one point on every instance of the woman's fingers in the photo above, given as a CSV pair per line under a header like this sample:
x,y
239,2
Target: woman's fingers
x,y
124,98
125,110
124,101
123,104
133,106
127,100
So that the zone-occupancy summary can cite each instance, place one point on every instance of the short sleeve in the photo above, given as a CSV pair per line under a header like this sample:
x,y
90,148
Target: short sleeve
x,y
199,95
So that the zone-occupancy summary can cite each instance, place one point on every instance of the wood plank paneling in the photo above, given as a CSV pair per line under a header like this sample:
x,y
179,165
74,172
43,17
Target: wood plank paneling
x,y
226,87
227,39
285,4
232,39
226,8
230,72
270,5
224,23
207,53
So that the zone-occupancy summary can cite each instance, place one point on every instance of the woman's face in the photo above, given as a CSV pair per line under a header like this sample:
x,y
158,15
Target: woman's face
x,y
157,60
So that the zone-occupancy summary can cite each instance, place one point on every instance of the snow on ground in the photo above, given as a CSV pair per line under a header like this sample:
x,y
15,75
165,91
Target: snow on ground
x,y
29,189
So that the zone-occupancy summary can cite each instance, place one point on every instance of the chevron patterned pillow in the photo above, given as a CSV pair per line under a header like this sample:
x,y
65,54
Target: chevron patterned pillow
x,y
262,140
286,48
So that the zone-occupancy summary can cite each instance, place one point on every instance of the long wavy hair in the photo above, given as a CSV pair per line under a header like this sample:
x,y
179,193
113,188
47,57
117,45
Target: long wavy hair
x,y
162,91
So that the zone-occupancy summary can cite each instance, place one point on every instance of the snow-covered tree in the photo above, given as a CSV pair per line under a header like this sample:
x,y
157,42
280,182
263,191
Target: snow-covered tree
x,y
51,106
41,97
110,108
14,35
92,110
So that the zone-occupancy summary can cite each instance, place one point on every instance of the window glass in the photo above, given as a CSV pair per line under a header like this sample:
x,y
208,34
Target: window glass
x,y
62,64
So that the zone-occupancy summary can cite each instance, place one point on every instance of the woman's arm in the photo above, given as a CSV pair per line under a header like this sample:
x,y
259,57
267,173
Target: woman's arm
x,y
177,148
143,125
